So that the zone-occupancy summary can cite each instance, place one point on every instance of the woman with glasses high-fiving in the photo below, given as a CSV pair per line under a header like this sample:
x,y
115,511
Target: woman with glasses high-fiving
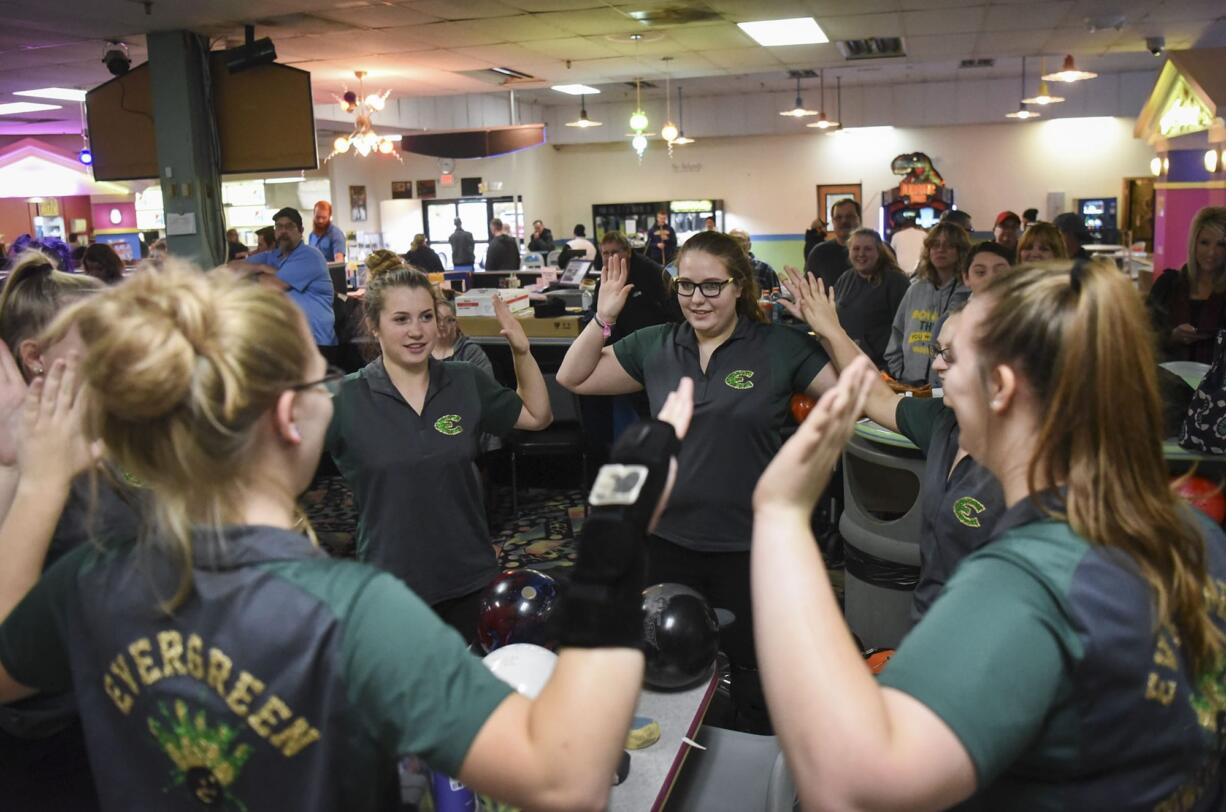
x,y
745,371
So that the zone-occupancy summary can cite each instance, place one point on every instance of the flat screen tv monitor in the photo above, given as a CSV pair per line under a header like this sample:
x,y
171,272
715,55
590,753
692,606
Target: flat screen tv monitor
x,y
927,217
576,269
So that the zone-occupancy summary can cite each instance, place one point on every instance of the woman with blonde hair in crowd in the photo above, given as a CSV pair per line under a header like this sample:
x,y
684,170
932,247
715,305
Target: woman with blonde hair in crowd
x,y
937,281
221,658
422,257
1075,660
1039,243
1188,306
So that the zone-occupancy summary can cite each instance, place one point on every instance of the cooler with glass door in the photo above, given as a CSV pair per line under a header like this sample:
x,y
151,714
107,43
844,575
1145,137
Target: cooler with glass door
x,y
1098,214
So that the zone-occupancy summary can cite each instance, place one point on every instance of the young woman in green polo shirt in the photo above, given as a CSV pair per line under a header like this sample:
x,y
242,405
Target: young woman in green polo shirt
x,y
221,658
406,432
745,371
1075,661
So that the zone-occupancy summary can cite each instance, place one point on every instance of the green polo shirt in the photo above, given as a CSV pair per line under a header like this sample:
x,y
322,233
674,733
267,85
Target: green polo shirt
x,y
1043,657
740,409
420,510
286,680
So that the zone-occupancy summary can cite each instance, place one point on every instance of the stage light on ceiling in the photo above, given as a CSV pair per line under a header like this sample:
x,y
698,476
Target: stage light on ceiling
x,y
86,157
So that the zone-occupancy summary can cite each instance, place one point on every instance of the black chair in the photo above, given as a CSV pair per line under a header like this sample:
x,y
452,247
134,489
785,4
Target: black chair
x,y
564,437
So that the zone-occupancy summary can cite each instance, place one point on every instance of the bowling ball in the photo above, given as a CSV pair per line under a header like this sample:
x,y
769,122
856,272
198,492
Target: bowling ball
x,y
516,608
523,666
680,637
1203,494
801,405
876,658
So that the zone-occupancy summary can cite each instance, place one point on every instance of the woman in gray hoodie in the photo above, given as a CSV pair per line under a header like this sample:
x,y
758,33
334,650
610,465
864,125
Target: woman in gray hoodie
x,y
937,285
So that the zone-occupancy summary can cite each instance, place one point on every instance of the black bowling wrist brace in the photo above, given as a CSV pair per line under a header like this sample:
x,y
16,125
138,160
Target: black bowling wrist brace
x,y
603,606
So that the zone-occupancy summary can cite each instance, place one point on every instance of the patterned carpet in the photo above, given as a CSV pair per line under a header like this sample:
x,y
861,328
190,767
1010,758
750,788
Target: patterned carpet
x,y
542,537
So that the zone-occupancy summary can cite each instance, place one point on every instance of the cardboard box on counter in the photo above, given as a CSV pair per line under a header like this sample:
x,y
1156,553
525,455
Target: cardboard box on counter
x,y
480,302
556,327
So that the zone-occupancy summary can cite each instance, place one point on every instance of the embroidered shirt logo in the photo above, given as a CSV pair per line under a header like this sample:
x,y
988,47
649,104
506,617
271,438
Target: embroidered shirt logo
x,y
739,379
965,510
448,424
207,760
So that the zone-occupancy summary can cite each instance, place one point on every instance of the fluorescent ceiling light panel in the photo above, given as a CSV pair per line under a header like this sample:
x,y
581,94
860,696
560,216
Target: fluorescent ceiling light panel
x,y
576,90
61,93
796,31
12,108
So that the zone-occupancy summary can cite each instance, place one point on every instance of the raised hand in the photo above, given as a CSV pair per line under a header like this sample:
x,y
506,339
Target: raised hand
x,y
13,391
614,289
679,407
511,330
53,447
814,302
800,471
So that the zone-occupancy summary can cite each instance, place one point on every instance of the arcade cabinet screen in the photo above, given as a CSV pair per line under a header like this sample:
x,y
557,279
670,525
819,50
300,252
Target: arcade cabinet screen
x,y
927,217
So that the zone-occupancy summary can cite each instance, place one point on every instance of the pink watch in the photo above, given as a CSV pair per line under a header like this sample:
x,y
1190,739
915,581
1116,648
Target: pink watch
x,y
606,328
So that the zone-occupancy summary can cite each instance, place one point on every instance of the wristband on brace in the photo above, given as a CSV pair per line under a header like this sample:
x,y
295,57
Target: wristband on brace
x,y
603,605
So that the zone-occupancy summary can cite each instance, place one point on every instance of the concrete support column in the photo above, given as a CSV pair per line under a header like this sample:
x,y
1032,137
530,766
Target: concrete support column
x,y
189,157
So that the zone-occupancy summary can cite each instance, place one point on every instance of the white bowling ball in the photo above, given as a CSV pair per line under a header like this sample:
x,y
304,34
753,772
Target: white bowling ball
x,y
523,666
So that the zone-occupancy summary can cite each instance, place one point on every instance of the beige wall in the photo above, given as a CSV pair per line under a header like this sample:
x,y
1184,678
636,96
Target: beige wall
x,y
769,183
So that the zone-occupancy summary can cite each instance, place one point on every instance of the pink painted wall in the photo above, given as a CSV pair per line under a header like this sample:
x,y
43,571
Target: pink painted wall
x,y
102,216
1173,213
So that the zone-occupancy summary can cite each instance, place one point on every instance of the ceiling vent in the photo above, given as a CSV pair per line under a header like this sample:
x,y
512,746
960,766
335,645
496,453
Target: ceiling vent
x,y
643,83
807,73
872,48
505,77
976,63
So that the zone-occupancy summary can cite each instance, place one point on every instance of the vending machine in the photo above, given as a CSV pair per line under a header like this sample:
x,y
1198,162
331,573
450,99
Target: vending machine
x,y
1098,214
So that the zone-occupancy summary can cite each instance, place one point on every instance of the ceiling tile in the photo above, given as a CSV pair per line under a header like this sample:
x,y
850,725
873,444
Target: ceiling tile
x,y
863,26
744,59
379,16
761,9
463,9
590,22
539,6
710,36
825,9
941,45
1014,43
943,21
925,5
576,48
461,34
1032,16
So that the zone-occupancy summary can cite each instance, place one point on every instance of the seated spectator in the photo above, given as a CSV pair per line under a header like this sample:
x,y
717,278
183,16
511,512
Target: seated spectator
x,y
541,239
234,248
984,263
101,262
828,260
868,298
580,242
422,257
651,301
1007,231
265,239
815,235
768,280
1041,242
1188,306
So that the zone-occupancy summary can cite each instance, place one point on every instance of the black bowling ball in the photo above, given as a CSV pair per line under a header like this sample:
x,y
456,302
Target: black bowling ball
x,y
680,637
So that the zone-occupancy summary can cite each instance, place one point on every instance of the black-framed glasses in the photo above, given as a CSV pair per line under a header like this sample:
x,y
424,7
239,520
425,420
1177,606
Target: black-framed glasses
x,y
945,354
331,382
710,289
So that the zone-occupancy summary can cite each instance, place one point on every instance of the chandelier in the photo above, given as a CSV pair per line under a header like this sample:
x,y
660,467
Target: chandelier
x,y
363,140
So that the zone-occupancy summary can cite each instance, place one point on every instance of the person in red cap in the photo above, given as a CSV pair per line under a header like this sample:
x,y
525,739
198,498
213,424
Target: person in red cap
x,y
1007,231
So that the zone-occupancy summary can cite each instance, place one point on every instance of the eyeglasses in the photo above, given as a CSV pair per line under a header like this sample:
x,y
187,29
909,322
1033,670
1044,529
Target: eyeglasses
x,y
710,290
331,382
945,354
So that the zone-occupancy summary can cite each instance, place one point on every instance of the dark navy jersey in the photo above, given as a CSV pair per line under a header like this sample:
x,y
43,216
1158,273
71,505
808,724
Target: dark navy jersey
x,y
286,680
740,409
960,503
1044,657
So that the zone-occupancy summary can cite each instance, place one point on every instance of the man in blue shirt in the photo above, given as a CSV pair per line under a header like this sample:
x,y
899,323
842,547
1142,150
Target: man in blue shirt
x,y
300,271
329,239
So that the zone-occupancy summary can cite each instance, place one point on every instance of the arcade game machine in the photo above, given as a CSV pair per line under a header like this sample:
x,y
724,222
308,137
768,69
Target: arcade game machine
x,y
1098,213
920,198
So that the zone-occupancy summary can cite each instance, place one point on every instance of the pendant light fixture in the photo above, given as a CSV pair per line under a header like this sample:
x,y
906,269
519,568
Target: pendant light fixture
x,y
681,140
1021,111
823,122
1044,97
1070,72
583,122
799,111
669,131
